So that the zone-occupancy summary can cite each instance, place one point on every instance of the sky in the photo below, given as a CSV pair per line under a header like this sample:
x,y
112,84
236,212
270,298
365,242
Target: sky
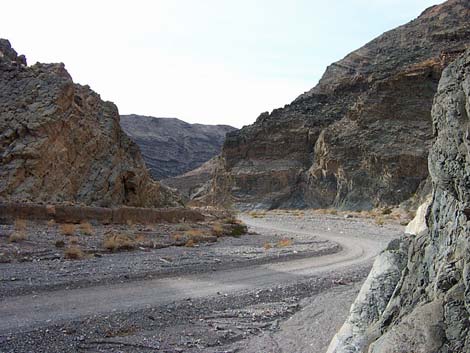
x,y
203,61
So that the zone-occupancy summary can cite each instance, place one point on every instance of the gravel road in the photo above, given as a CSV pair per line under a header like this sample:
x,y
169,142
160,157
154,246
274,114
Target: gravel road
x,y
209,309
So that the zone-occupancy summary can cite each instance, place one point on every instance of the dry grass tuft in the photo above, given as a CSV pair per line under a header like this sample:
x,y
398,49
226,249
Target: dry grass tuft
x,y
17,236
176,237
217,229
284,243
194,233
67,229
73,240
267,246
257,214
86,228
115,242
20,224
73,253
190,243
51,223
379,221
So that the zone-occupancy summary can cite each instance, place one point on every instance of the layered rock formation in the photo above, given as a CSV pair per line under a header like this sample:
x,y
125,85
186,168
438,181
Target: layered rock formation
x,y
60,142
172,147
360,138
429,310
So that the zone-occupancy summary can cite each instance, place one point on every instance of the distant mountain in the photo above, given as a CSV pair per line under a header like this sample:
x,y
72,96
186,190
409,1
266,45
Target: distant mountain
x,y
170,146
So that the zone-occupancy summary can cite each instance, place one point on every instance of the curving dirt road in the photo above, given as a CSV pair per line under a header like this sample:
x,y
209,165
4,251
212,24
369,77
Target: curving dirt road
x,y
26,312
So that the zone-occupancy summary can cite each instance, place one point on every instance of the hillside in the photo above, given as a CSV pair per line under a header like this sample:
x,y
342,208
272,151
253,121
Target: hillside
x,y
360,138
170,146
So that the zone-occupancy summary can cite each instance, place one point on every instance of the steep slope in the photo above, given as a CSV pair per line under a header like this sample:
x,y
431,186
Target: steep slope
x,y
428,310
171,146
360,138
60,142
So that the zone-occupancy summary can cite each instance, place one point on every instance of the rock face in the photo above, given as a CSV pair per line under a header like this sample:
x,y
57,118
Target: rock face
x,y
60,142
171,147
360,138
429,311
194,183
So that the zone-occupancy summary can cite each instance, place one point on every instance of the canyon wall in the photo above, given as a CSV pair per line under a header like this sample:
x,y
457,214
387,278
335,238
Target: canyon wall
x,y
59,142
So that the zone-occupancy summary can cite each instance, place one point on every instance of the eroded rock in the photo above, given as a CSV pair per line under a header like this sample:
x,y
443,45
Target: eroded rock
x,y
60,142
360,138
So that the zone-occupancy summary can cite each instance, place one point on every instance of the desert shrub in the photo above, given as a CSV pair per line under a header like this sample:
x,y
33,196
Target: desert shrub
x,y
238,230
284,242
217,229
379,221
73,253
73,240
67,229
51,223
194,233
176,237
267,246
86,228
115,242
190,243
59,243
17,236
20,224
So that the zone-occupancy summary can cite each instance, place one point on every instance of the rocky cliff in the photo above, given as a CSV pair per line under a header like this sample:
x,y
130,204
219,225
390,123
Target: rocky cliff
x,y
360,138
428,310
171,147
60,142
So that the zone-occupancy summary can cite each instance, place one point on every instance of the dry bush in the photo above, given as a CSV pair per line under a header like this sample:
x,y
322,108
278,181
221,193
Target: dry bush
x,y
379,221
73,253
284,242
17,236
67,229
140,238
217,229
86,228
267,246
73,240
20,224
51,223
176,237
59,243
257,214
190,243
194,233
115,242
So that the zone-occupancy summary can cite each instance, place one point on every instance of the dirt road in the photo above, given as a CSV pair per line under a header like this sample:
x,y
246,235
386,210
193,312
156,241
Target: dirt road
x,y
30,312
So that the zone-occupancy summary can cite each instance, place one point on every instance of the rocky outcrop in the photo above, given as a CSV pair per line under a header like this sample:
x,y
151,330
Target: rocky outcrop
x,y
172,147
360,138
418,223
372,299
429,309
60,142
194,183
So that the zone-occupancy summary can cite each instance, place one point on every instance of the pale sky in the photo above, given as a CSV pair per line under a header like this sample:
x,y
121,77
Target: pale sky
x,y
204,61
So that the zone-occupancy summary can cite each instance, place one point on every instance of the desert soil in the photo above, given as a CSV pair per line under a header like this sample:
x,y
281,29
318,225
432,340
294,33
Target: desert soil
x,y
284,287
